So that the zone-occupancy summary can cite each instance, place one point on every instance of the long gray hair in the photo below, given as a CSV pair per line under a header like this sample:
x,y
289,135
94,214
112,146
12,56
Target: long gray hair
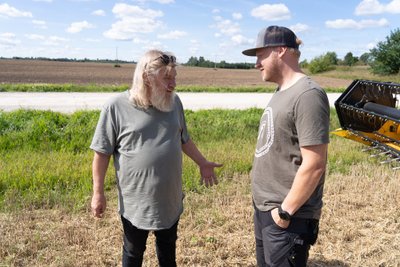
x,y
146,69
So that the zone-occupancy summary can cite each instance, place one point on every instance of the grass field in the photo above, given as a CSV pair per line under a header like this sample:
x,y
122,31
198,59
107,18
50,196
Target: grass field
x,y
45,187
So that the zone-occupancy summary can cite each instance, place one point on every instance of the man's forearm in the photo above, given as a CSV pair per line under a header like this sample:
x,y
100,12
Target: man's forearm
x,y
193,152
307,178
99,168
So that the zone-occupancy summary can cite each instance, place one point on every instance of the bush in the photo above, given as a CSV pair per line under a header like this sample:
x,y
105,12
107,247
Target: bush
x,y
320,64
385,57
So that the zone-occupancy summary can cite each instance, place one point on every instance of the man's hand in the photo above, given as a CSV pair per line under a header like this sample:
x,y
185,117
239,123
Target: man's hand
x,y
278,221
207,173
98,205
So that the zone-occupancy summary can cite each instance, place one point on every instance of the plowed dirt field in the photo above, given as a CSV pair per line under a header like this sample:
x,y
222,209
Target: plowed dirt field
x,y
36,71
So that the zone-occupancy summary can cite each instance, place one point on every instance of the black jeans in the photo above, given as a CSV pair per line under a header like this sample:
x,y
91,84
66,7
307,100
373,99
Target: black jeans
x,y
278,247
135,245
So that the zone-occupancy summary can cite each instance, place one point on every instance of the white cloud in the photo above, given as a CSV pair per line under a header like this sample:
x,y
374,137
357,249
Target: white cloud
x,y
393,7
140,41
241,40
194,47
9,39
215,11
237,15
48,1
9,11
299,27
369,7
132,20
155,45
40,24
91,40
55,41
371,45
227,27
35,37
272,12
172,35
157,1
83,0
373,7
122,11
99,12
76,27
165,1
352,24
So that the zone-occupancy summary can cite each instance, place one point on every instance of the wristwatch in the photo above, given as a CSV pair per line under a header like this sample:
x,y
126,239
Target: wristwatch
x,y
284,215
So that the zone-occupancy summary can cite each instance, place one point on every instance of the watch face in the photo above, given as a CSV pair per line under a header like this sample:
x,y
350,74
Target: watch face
x,y
284,216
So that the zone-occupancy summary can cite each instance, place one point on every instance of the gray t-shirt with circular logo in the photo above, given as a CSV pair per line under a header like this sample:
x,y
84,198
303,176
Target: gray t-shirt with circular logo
x,y
146,145
293,118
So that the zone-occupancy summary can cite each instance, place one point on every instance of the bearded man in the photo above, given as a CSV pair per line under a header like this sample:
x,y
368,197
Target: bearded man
x,y
144,129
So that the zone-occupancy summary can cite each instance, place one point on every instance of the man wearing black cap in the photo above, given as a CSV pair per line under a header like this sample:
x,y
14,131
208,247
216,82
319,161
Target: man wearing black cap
x,y
290,159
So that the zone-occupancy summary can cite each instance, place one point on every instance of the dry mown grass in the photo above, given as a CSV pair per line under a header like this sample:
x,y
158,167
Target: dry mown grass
x,y
360,227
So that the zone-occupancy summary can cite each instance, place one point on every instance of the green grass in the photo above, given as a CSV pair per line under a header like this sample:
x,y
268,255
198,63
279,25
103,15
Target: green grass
x,y
46,161
216,89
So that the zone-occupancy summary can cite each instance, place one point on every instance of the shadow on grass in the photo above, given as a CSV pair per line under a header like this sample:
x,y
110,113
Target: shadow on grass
x,y
327,263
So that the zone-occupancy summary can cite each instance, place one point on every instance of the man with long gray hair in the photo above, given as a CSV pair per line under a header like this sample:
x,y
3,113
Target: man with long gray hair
x,y
144,129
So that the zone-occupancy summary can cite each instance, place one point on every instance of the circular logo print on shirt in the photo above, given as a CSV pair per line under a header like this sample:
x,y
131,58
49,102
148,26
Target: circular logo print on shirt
x,y
265,133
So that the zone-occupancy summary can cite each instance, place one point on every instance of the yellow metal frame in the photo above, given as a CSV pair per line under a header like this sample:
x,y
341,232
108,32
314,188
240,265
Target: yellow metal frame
x,y
390,129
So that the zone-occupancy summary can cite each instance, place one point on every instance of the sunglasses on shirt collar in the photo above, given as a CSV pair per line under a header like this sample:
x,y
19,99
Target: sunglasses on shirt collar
x,y
166,59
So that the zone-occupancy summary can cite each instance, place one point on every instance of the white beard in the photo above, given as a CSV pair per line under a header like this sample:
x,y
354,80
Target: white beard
x,y
162,100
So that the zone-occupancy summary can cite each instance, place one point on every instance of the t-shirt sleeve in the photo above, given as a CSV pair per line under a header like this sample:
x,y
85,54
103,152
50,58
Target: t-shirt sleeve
x,y
312,118
104,139
184,132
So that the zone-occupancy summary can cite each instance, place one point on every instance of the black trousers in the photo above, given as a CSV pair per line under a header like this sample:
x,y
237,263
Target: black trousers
x,y
278,247
135,244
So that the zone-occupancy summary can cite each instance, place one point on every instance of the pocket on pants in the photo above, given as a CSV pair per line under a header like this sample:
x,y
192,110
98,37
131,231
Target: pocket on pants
x,y
278,244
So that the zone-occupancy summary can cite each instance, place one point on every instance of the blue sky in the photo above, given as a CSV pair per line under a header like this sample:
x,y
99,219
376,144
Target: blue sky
x,y
215,29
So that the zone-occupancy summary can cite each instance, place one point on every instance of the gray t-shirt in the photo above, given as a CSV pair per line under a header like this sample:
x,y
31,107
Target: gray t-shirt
x,y
147,148
295,117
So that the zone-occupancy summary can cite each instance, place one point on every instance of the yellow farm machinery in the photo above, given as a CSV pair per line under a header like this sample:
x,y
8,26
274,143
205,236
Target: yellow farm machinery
x,y
369,113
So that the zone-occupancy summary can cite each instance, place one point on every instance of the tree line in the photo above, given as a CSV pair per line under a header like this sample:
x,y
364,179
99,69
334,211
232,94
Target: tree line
x,y
114,61
383,59
202,62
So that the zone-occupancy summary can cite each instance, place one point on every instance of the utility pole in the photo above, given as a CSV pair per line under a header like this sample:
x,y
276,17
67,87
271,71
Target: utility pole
x,y
116,58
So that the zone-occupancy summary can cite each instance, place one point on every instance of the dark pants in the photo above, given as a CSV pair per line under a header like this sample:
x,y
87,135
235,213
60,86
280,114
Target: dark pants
x,y
278,247
135,245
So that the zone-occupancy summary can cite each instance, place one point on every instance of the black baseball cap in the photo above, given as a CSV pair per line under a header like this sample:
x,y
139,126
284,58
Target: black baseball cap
x,y
273,36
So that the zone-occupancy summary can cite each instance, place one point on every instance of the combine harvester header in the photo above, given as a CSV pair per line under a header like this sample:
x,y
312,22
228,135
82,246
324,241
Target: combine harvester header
x,y
369,113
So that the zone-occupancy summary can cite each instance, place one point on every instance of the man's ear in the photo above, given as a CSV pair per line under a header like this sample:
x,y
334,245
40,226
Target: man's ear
x,y
282,50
